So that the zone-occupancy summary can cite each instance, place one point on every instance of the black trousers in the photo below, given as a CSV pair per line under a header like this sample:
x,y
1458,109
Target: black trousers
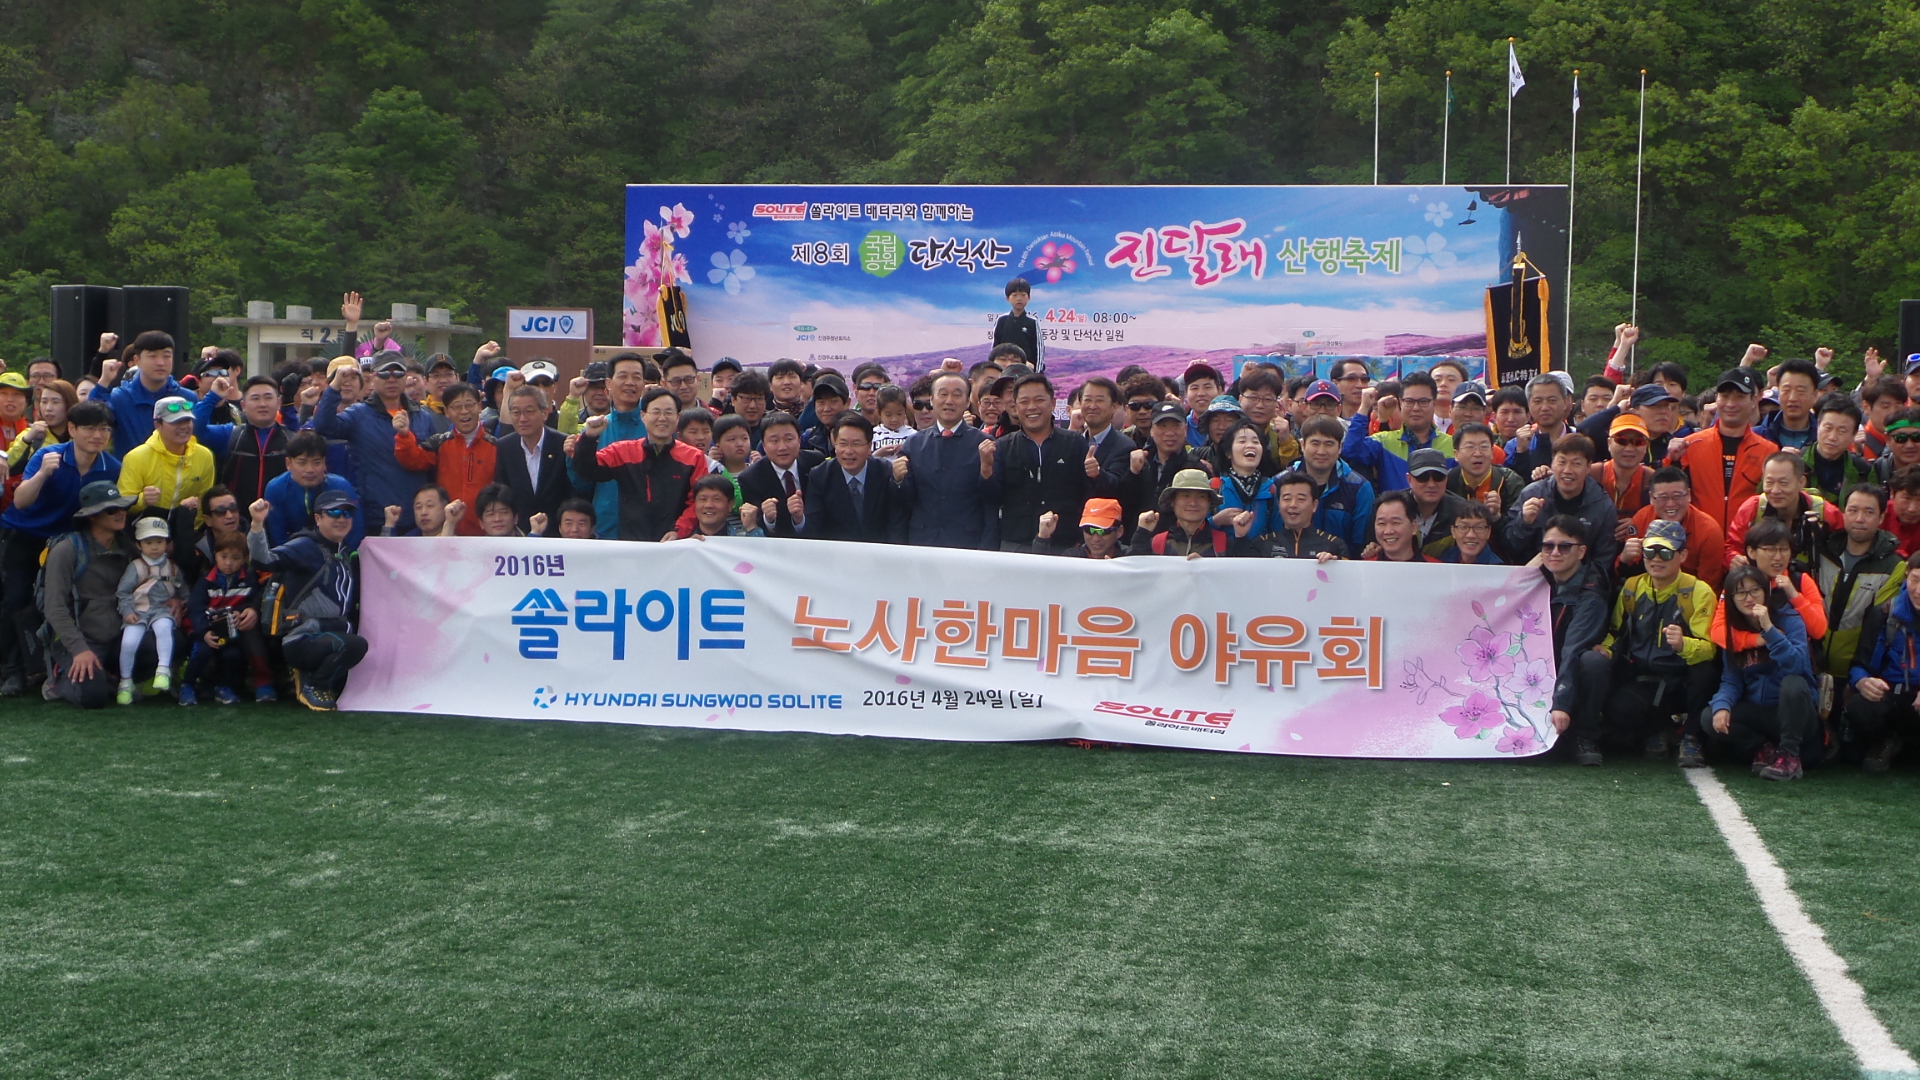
x,y
1792,723
19,565
325,659
1641,707
1872,721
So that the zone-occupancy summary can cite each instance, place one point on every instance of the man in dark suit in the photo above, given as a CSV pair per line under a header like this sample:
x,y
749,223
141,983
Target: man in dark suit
x,y
781,476
532,459
851,496
944,475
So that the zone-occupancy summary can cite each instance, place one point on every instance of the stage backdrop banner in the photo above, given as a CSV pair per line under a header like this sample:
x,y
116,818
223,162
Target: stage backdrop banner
x,y
1264,656
1156,276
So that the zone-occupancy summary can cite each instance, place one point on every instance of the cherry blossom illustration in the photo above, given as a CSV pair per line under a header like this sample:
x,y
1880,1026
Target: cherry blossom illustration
x,y
1505,694
730,271
1056,260
1430,255
737,231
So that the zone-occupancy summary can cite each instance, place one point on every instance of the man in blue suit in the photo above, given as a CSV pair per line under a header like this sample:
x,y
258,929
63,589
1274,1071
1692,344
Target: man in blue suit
x,y
850,496
945,473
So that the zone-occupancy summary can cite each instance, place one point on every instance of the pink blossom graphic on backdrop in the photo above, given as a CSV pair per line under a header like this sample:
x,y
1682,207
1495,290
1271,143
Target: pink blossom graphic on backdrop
x,y
1506,693
652,268
1055,260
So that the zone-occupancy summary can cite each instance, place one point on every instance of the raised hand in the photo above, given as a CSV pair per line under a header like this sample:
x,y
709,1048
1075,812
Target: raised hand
x,y
37,432
577,386
309,396
987,450
191,502
351,306
1049,521
1822,358
223,389
48,463
1674,636
1093,464
1243,523
399,421
150,495
486,352
1875,366
796,506
339,379
571,441
749,517
456,510
393,517
594,426
258,510
1367,398
1136,461
1631,550
1492,499
1530,510
770,510
1149,519
109,342
537,525
109,372
1754,354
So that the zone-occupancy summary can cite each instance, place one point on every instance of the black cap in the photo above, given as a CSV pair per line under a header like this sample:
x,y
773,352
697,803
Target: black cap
x,y
726,363
395,364
1651,394
830,386
1742,380
1426,461
1168,410
331,498
597,372
438,361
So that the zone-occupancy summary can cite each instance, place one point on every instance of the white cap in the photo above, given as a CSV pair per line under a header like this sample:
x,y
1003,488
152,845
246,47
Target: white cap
x,y
149,527
534,369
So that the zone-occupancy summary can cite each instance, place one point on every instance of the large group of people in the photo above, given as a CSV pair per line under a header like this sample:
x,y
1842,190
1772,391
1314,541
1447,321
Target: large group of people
x,y
1729,566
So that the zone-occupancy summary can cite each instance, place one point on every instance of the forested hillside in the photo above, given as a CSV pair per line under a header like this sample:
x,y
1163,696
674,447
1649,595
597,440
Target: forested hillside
x,y
472,154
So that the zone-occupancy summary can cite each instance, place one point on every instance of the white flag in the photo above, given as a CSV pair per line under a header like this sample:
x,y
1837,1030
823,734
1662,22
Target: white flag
x,y
1576,91
1515,80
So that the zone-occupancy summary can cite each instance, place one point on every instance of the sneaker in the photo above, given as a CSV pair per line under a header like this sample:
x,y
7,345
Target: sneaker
x,y
225,695
311,696
264,695
162,681
1691,755
1783,767
1586,751
1882,755
125,696
1763,759
186,694
12,686
1656,747
50,689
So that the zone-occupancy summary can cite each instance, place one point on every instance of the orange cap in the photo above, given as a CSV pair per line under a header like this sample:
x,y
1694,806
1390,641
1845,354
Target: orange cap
x,y
1101,513
1629,422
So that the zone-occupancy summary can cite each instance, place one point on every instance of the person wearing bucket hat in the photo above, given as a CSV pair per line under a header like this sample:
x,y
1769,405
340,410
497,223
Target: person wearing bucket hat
x,y
320,584
1657,660
82,610
1725,460
1182,527
1099,531
171,466
1153,466
368,429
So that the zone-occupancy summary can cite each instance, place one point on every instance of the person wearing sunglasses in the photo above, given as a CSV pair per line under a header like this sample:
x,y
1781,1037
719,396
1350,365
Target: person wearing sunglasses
x,y
1660,652
1670,498
321,583
1099,532
1809,519
171,465
368,429
1567,492
1578,615
1624,475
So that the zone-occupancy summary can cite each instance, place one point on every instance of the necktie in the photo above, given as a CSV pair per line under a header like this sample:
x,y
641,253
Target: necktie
x,y
792,488
856,489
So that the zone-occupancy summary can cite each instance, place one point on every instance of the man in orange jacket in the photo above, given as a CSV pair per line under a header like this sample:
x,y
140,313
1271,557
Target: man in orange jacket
x,y
1726,460
463,459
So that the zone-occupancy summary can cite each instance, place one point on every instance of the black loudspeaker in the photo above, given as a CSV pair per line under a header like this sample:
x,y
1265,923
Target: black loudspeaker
x,y
81,313
1909,334
157,307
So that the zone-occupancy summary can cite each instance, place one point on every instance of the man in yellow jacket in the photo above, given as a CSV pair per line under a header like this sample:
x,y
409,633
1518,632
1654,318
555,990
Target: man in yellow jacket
x,y
171,465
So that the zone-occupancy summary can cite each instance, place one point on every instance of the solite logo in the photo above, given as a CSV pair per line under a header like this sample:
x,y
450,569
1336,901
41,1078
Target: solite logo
x,y
1161,716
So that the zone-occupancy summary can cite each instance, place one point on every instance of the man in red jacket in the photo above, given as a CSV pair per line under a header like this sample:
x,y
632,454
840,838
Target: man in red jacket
x,y
654,475
1725,461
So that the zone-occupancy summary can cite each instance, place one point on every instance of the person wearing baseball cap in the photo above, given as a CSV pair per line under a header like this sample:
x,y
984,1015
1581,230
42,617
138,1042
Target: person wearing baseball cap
x,y
1655,404
1182,525
1469,405
1165,455
539,372
1624,475
587,395
1321,398
441,373
15,415
1437,507
367,427
171,465
82,586
1725,460
1658,659
725,370
1099,532
321,584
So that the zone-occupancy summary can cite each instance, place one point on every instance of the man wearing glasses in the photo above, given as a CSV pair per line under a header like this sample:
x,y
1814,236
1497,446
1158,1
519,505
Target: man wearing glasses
x,y
1661,659
1351,377
1385,453
1260,400
324,581
532,460
1671,499
251,453
1579,621
1783,495
367,426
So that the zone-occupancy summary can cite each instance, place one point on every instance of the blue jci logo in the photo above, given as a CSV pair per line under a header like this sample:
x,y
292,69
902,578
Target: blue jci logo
x,y
546,324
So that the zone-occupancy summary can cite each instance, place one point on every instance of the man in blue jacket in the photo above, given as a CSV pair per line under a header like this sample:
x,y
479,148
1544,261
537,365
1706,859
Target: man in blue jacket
x,y
626,385
1886,678
132,400
944,473
368,428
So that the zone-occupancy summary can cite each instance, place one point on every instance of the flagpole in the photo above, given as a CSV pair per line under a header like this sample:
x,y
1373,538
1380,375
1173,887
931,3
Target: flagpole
x,y
1639,163
1376,127
1446,125
1509,176
1573,163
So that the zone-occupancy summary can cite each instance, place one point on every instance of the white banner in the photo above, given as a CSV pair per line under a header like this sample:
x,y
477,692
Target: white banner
x,y
1263,656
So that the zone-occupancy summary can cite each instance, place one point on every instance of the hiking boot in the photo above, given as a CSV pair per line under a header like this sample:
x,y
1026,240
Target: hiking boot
x,y
1763,759
225,695
1881,759
310,695
264,695
187,695
125,695
1783,767
13,685
1586,751
162,681
1656,747
1691,755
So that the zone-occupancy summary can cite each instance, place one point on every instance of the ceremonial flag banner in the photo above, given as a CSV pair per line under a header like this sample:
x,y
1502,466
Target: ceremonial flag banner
x,y
1259,656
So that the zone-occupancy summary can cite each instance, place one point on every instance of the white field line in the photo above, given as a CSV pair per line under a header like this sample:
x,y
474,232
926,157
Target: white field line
x,y
1846,1004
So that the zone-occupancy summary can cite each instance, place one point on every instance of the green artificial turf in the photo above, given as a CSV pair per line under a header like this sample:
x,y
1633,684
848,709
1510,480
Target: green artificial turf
x,y
263,892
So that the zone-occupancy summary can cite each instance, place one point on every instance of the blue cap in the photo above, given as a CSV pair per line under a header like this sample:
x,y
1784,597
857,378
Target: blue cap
x,y
500,373
1322,388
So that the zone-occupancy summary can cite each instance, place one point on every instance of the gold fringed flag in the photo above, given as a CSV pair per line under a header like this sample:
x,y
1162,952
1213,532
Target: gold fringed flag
x,y
1517,348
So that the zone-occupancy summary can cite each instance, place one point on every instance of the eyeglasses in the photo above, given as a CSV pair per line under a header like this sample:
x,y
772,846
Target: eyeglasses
x,y
684,380
337,512
1095,530
1259,399
1663,553
1555,547
1416,402
871,385
922,404
1670,497
1473,528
